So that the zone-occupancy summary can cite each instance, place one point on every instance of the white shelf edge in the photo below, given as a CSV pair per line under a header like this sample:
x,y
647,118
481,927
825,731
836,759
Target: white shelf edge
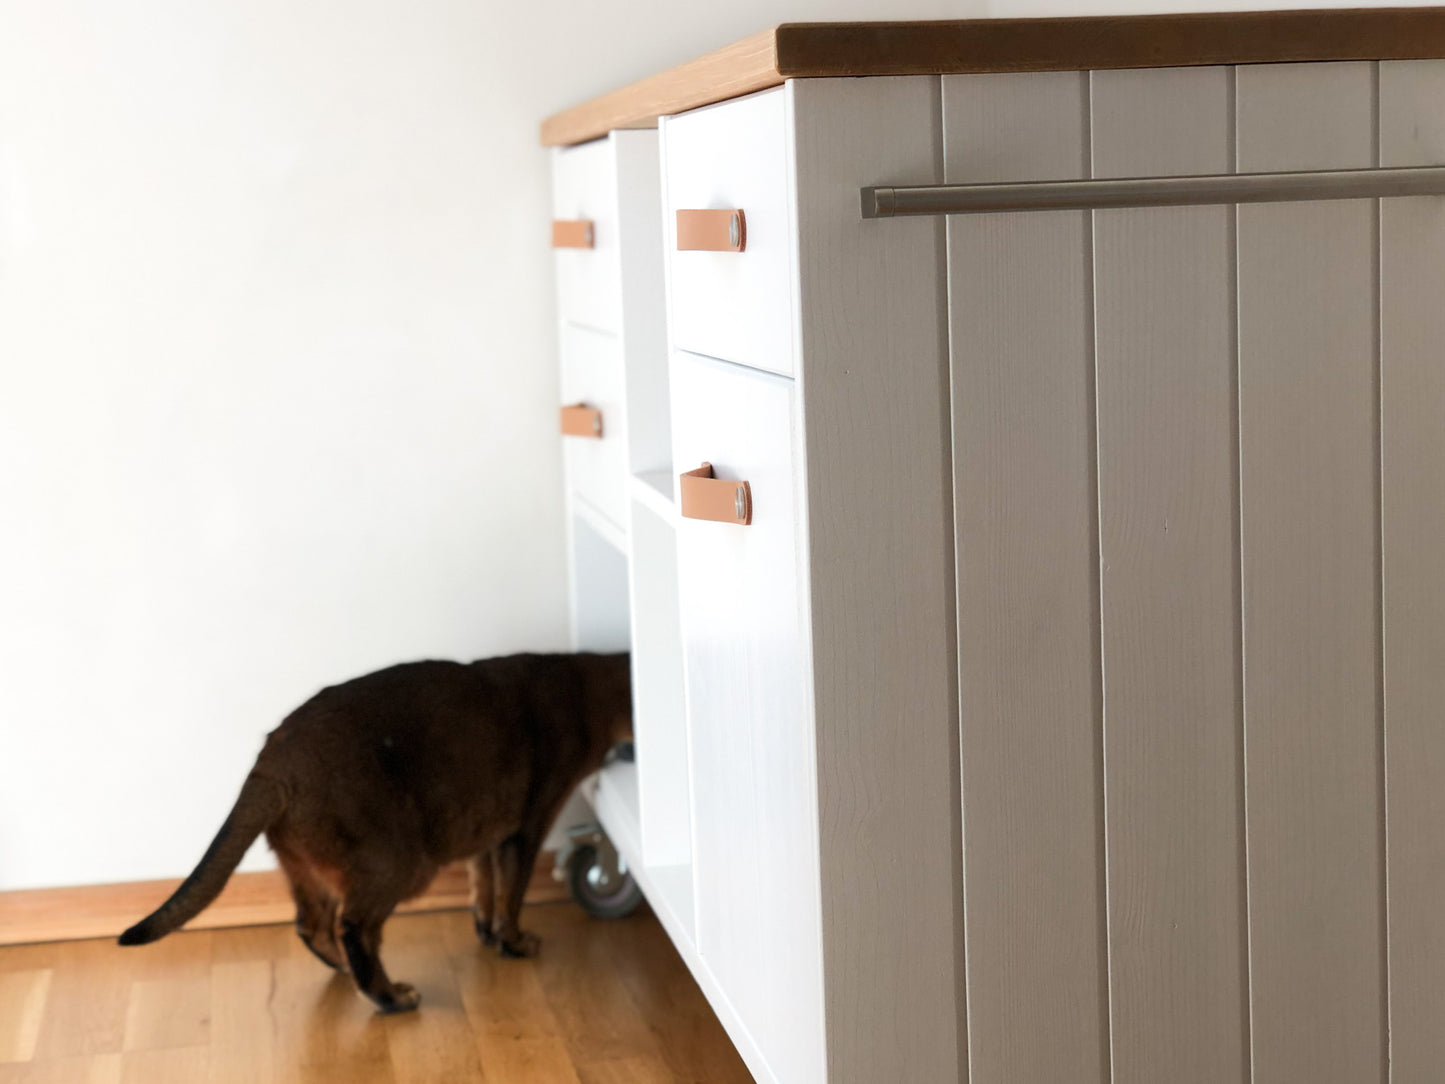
x,y
582,325
618,783
599,521
653,490
618,791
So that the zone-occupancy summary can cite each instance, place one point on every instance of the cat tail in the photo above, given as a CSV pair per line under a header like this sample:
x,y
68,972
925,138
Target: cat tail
x,y
257,808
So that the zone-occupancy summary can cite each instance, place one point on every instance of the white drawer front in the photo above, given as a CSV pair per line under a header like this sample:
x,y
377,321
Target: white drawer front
x,y
592,375
733,305
754,798
589,280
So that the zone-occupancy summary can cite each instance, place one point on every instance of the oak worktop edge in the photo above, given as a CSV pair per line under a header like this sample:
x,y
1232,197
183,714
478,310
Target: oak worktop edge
x,y
820,50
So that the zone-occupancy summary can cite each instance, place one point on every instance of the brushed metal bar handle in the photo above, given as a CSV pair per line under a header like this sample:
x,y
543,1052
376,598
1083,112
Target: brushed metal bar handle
x,y
581,421
710,498
573,233
712,231
972,199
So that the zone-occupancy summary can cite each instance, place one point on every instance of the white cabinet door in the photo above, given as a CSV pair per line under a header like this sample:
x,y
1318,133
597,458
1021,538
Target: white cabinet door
x,y
592,376
589,280
733,305
754,791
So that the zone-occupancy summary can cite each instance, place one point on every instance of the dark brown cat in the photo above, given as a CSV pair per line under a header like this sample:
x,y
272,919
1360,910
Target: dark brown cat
x,y
370,787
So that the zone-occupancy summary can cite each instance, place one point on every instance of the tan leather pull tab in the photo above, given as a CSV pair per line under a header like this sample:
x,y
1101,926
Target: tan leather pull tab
x,y
706,497
576,233
711,231
581,421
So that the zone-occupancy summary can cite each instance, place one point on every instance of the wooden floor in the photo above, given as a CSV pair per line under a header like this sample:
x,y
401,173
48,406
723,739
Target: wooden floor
x,y
604,1003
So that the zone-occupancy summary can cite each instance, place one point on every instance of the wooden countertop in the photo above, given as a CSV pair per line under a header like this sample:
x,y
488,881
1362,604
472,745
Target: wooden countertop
x,y
813,50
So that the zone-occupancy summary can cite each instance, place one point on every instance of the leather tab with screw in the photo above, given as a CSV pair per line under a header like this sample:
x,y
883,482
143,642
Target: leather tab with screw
x,y
581,421
573,233
712,231
707,497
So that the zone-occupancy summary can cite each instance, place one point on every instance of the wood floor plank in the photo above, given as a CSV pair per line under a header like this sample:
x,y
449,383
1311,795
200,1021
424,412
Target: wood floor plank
x,y
178,1065
28,957
179,957
508,1060
89,997
170,994
23,995
101,1069
242,1032
433,1045
436,1043
252,943
648,1070
458,933
324,1031
577,974
518,1037
167,1013
504,998
605,1002
684,1026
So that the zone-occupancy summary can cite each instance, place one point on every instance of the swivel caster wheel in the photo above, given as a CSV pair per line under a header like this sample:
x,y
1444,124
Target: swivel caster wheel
x,y
597,875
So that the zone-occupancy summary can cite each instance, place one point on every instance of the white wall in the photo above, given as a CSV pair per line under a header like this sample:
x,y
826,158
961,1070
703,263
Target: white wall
x,y
271,402
277,382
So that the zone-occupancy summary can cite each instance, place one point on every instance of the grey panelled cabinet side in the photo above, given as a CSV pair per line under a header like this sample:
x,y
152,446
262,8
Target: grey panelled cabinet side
x,y
1164,295
1309,495
1028,631
1199,462
1072,710
1412,397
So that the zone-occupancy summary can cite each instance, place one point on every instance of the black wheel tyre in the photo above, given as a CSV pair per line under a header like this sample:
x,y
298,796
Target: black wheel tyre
x,y
615,900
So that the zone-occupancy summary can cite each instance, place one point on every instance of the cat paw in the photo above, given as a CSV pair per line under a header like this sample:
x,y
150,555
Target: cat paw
x,y
400,998
484,932
520,945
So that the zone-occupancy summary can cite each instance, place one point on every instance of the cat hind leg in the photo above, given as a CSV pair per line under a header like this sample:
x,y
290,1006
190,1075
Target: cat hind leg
x,y
316,912
479,874
319,934
362,916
